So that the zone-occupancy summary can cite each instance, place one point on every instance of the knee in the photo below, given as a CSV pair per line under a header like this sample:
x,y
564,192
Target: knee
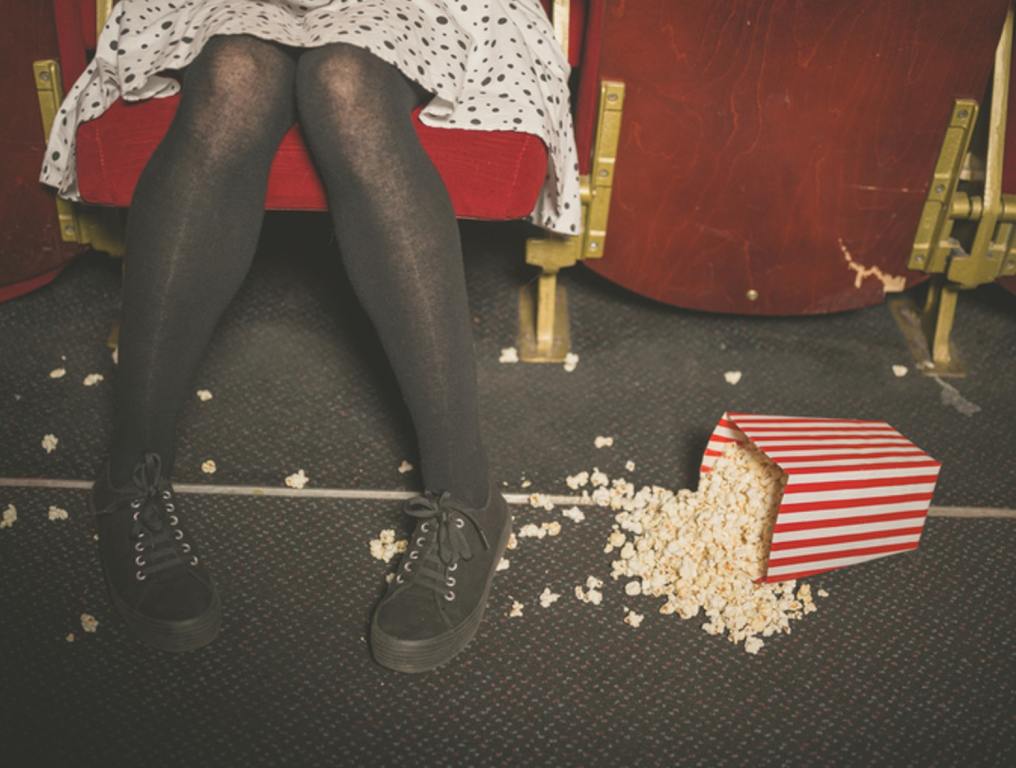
x,y
238,90
344,79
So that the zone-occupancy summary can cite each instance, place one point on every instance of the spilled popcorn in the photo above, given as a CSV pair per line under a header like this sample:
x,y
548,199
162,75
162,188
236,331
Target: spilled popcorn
x,y
208,466
540,500
404,467
49,442
574,513
602,441
385,547
204,395
92,379
297,480
632,618
547,597
89,622
56,513
503,564
570,361
516,609
512,541
629,465
508,355
702,551
732,377
592,593
10,517
899,371
57,373
70,637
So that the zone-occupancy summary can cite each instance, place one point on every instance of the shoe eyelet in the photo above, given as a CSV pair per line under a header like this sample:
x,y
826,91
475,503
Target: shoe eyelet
x,y
452,595
425,527
450,581
194,560
139,560
453,567
139,576
421,541
399,579
178,534
414,555
135,503
173,519
185,547
136,515
139,547
170,507
459,522
166,494
408,566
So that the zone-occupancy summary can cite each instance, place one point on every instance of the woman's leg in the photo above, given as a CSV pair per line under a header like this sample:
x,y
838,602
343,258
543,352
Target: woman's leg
x,y
192,231
399,241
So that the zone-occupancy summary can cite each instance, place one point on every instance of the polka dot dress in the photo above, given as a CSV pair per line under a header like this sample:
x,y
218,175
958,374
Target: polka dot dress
x,y
494,65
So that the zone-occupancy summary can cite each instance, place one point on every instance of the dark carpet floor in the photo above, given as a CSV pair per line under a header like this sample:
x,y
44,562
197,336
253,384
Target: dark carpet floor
x,y
910,661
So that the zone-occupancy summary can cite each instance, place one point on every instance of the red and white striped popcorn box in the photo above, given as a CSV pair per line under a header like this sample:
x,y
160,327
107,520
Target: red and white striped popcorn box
x,y
856,490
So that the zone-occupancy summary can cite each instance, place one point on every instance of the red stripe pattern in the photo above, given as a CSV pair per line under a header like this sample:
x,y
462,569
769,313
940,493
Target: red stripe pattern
x,y
856,490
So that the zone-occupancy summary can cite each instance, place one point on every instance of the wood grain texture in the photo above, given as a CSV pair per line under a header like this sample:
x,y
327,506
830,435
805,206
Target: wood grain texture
x,y
30,243
765,140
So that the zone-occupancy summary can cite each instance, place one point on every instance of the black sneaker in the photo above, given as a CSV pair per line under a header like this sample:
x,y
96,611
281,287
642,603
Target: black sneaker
x,y
156,580
434,605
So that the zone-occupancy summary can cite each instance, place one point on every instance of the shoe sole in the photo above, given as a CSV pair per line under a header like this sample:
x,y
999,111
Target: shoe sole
x,y
424,655
176,636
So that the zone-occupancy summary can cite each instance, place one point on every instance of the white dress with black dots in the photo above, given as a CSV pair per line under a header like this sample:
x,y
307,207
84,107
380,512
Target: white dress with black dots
x,y
494,65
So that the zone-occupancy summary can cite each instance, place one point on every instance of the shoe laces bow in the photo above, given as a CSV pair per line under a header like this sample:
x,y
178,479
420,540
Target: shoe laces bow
x,y
446,519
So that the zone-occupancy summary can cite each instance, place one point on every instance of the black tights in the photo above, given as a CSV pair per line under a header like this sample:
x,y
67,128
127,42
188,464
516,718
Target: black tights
x,y
196,216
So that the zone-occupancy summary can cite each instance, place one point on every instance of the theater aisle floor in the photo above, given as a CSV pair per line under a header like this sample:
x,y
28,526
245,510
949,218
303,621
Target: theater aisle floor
x,y
909,661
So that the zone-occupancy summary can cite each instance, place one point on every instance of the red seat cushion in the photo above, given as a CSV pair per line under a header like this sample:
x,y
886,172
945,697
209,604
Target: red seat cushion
x,y
493,175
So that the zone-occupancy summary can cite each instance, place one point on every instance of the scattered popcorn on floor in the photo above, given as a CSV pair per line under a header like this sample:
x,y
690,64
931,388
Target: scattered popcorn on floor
x,y
753,645
540,500
56,513
92,379
570,361
574,513
547,597
57,373
404,467
389,577
88,622
633,588
385,547
208,466
116,352
632,618
49,443
204,395
526,483
553,528
822,593
703,550
503,564
577,481
732,377
512,541
629,465
509,355
532,530
10,516
592,593
297,480
516,609
70,637
616,540
598,478
899,371
602,441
